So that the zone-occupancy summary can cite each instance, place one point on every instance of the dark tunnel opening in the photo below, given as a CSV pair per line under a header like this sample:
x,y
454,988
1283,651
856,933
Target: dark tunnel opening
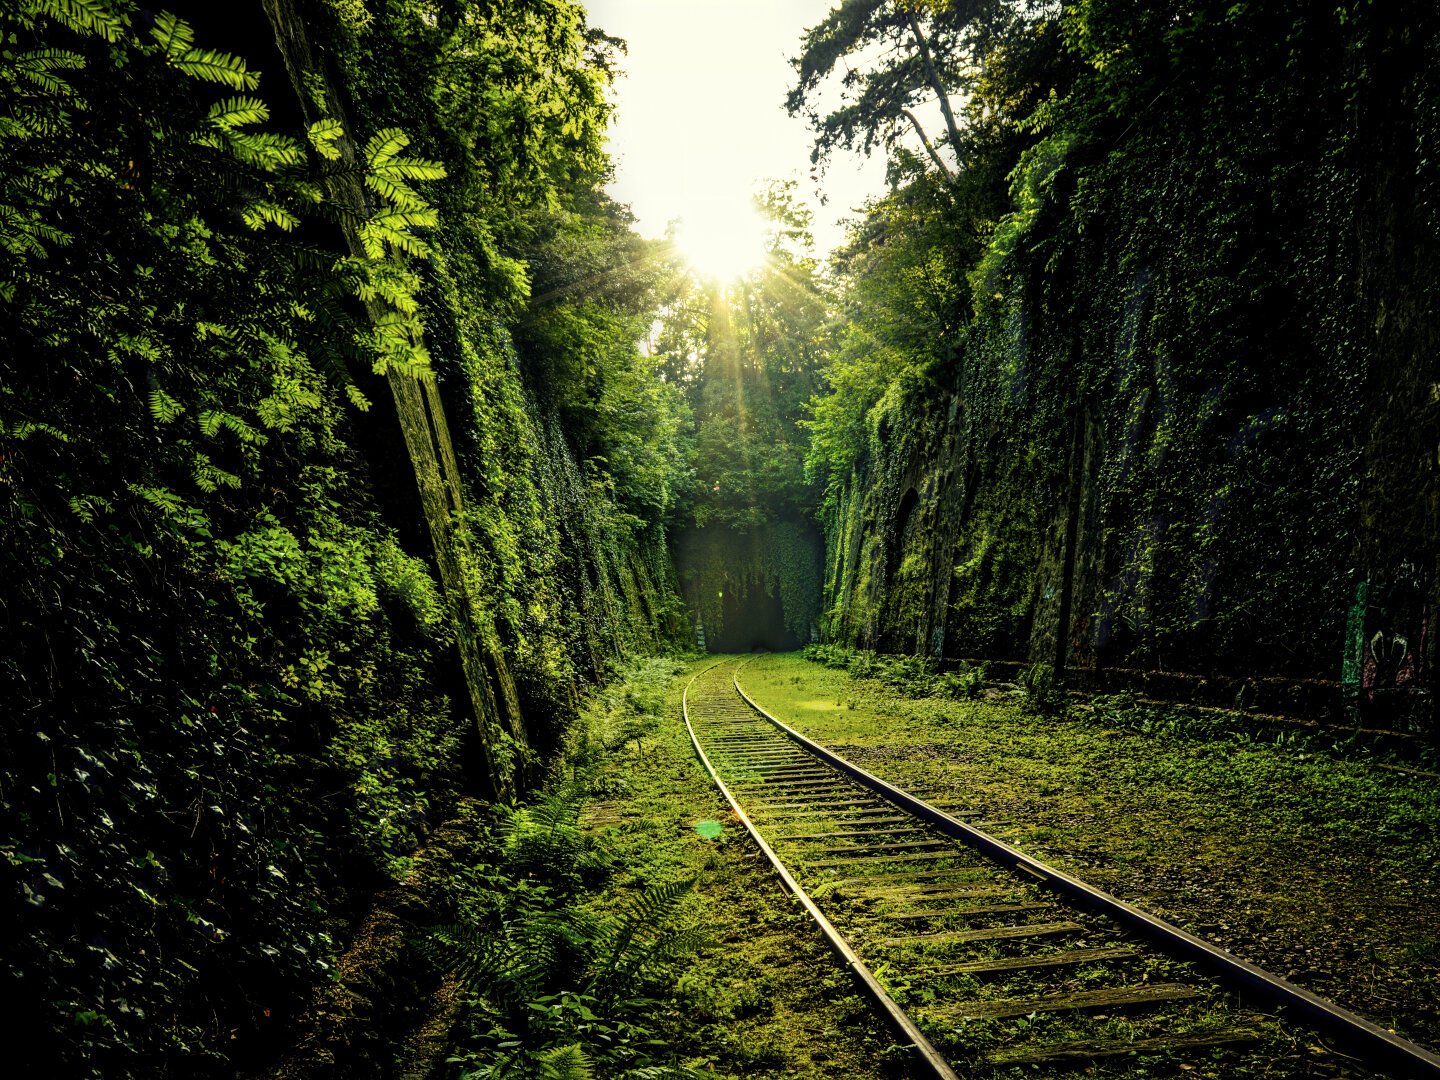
x,y
752,621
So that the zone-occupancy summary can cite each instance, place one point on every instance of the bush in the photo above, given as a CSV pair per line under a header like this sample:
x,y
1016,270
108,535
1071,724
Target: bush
x,y
913,676
831,656
1044,695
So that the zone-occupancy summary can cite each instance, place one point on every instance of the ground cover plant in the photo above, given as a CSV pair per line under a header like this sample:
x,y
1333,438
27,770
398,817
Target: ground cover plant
x,y
623,926
1318,867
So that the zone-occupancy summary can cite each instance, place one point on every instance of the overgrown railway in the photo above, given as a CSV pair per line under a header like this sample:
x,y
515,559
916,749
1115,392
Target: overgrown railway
x,y
985,959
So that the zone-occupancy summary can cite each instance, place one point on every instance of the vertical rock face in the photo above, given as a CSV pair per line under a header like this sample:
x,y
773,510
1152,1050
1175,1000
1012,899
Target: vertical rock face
x,y
1200,407
425,430
1391,651
288,581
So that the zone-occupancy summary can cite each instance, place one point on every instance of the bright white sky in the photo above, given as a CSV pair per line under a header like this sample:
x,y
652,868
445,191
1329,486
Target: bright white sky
x,y
701,121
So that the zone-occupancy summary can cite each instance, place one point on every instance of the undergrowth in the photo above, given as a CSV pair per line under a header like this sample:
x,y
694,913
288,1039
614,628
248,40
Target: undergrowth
x,y
560,976
914,676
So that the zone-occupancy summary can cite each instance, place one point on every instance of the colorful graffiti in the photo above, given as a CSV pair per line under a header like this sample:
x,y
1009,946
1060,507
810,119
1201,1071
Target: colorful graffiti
x,y
1387,641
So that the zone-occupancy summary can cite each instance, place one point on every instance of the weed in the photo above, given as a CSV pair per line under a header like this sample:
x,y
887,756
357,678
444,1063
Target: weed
x,y
1042,693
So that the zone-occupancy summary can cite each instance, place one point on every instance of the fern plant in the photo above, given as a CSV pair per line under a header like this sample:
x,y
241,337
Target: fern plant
x,y
544,975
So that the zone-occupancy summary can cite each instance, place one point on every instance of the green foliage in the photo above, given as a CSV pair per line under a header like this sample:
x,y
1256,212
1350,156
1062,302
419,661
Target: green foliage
x,y
748,354
1141,288
1041,692
913,676
554,980
229,649
536,294
919,46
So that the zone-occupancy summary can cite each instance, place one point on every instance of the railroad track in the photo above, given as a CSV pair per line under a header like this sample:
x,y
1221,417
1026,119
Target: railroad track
x,y
986,960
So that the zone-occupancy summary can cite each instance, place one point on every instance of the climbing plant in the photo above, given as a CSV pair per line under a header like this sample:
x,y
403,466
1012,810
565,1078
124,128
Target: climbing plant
x,y
1124,353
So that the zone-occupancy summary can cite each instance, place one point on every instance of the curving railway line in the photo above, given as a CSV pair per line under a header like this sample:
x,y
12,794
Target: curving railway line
x,y
986,960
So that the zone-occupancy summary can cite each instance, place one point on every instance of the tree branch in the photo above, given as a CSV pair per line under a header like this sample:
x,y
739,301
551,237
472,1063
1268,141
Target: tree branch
x,y
933,77
945,170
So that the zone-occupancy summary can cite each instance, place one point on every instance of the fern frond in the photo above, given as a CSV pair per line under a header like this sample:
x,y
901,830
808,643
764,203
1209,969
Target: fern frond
x,y
357,398
209,65
235,112
96,18
324,134
205,330
88,507
396,192
390,227
23,429
162,499
384,146
411,169
22,233
164,408
261,213
664,948
262,149
39,66
174,35
488,965
565,1063
209,477
639,939
213,421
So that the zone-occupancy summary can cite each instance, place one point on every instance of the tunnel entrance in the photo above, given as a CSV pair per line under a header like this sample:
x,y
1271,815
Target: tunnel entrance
x,y
752,621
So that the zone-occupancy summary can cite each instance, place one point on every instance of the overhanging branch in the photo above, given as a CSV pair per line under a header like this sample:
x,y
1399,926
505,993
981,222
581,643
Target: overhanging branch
x,y
932,76
945,170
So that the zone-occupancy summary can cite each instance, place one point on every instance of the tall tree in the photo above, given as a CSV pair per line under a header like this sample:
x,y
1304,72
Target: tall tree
x,y
899,58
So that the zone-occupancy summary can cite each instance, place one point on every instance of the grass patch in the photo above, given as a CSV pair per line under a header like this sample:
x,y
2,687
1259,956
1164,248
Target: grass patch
x,y
1315,865
626,927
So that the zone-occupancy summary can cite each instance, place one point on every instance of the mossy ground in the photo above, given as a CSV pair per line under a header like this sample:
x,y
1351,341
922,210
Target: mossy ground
x,y
1320,868
766,1000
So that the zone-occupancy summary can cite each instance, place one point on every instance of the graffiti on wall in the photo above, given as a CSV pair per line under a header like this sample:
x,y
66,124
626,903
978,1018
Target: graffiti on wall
x,y
1387,640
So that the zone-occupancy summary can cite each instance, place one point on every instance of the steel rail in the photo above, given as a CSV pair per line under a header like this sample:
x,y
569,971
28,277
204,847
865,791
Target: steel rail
x,y
897,1016
1376,1044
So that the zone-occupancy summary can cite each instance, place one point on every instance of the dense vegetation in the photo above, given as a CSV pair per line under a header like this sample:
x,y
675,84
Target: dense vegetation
x,y
347,430
749,355
249,664
1136,350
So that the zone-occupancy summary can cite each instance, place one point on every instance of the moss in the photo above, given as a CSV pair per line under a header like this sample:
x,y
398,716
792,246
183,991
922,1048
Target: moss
x,y
1313,865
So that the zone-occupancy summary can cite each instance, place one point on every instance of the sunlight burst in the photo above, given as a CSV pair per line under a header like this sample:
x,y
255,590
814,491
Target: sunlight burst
x,y
723,242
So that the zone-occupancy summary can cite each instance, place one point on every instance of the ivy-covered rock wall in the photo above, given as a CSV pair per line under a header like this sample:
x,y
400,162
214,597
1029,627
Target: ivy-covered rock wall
x,y
239,677
1191,416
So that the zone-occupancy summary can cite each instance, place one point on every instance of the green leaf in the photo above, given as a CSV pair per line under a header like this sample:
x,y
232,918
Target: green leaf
x,y
173,34
210,478
324,134
96,18
40,66
385,145
164,408
233,112
208,65
259,214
